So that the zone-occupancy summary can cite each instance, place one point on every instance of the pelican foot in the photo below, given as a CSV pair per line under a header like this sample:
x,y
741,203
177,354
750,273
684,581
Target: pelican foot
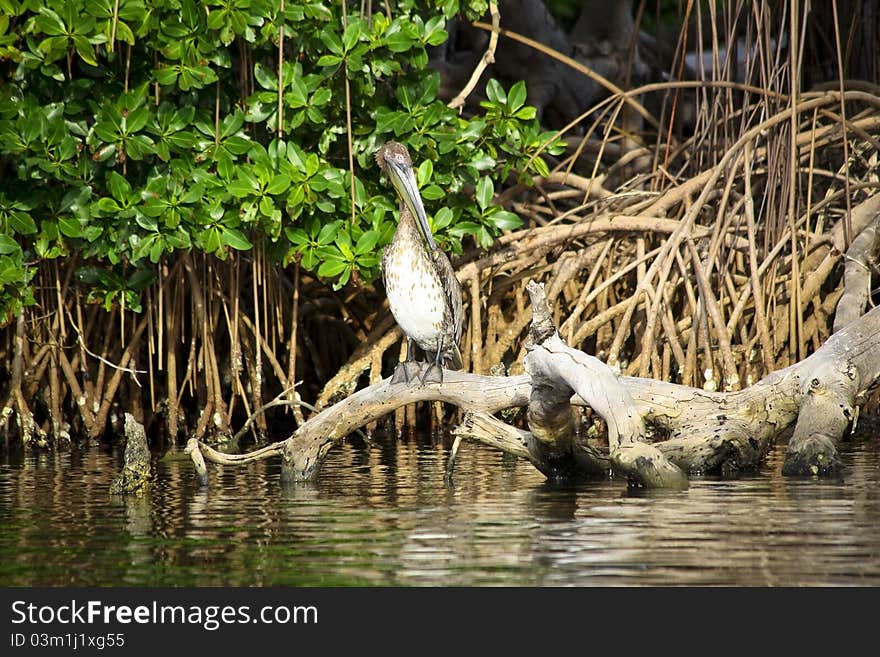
x,y
433,374
406,372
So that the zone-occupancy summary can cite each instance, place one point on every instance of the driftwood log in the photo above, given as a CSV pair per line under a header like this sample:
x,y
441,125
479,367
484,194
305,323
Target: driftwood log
x,y
698,431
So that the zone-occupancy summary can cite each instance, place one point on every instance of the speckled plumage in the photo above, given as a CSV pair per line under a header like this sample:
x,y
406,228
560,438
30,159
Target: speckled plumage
x,y
419,301
423,292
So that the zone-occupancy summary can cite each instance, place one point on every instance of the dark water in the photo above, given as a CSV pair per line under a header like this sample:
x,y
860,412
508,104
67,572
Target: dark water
x,y
382,515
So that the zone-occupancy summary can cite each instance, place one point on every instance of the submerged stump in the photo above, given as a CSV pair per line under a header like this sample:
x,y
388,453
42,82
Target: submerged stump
x,y
135,476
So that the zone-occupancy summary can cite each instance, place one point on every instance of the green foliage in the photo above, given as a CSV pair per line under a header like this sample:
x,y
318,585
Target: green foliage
x,y
132,132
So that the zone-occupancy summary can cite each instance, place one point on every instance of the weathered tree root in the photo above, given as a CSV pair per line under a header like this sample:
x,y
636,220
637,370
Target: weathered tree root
x,y
28,428
860,257
849,364
814,454
491,431
193,448
305,451
557,371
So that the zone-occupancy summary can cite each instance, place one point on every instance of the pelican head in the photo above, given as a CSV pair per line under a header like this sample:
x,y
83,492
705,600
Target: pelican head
x,y
394,160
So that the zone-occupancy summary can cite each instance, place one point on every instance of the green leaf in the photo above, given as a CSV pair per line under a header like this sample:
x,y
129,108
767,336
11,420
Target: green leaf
x,y
343,279
426,170
442,219
70,226
178,240
141,279
266,77
432,192
156,250
321,96
331,268
10,271
8,245
106,131
146,222
108,205
92,233
329,60
505,220
463,228
240,188
211,241
485,192
193,194
139,146
516,97
166,76
540,166
297,94
495,92
137,119
85,50
367,242
182,140
352,34
484,238
22,223
328,232
124,33
398,42
309,260
235,239
315,115
332,41
225,167
368,260
118,185
279,184
345,247
435,32
48,22
267,206
238,144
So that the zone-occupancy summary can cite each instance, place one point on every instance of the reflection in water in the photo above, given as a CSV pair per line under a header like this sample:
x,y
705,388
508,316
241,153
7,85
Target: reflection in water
x,y
382,515
138,525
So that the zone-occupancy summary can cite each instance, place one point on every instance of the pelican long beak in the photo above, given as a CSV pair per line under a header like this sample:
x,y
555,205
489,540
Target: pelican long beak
x,y
404,181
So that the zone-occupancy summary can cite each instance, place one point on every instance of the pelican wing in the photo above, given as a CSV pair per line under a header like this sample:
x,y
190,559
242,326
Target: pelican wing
x,y
452,289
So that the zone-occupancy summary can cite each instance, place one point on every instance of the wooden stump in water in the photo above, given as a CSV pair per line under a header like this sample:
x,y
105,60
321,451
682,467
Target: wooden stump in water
x,y
135,476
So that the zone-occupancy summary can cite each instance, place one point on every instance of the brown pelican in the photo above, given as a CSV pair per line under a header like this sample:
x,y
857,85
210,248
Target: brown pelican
x,y
423,293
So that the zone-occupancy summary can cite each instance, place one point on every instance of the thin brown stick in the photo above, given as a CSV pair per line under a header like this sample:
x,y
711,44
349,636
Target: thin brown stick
x,y
476,327
280,127
731,379
847,224
757,292
487,58
292,344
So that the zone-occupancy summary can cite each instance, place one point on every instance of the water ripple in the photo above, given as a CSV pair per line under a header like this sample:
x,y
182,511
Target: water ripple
x,y
384,516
